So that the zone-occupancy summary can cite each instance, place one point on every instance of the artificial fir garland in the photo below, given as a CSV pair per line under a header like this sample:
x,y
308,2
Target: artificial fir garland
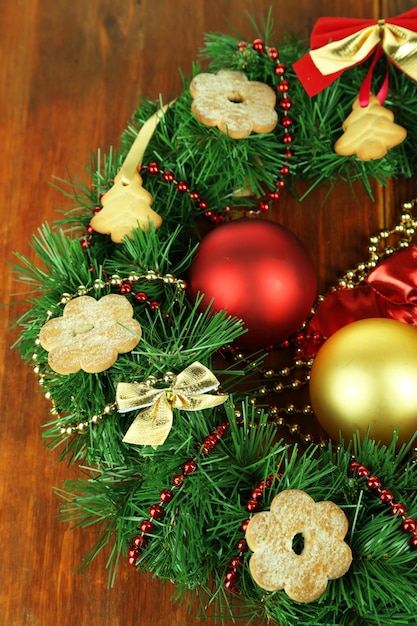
x,y
180,510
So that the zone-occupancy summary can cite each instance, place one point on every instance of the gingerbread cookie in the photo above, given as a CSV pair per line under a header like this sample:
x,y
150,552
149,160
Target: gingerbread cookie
x,y
325,556
369,132
236,105
90,334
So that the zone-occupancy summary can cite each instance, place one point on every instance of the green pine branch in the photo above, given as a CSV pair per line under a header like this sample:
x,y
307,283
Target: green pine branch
x,y
194,542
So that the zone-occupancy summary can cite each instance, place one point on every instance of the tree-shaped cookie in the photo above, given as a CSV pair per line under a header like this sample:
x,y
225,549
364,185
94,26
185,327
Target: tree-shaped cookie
x,y
127,205
369,132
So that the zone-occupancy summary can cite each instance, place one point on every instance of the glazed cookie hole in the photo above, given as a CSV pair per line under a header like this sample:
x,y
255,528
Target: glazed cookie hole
x,y
235,97
298,543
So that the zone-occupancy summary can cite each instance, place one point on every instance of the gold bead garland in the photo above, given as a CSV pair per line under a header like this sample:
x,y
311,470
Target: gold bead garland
x,y
114,281
117,281
288,378
279,381
276,383
379,247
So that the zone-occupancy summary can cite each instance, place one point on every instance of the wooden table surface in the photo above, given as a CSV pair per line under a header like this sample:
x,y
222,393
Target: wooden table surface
x,y
70,76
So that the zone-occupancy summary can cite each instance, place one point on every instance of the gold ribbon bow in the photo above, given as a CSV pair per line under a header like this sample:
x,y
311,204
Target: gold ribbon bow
x,y
400,44
337,44
188,391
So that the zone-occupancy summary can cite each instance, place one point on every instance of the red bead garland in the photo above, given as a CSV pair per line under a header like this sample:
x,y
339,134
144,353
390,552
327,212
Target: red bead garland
x,y
189,467
314,339
166,495
285,105
286,122
373,482
125,288
156,511
232,573
146,526
258,45
85,242
153,168
168,177
178,480
409,524
182,187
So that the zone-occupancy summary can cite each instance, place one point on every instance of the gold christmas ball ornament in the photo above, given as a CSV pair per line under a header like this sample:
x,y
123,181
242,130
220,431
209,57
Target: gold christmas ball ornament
x,y
365,376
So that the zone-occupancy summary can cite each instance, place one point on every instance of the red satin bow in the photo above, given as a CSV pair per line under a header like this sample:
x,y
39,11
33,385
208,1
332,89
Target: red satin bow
x,y
331,29
390,291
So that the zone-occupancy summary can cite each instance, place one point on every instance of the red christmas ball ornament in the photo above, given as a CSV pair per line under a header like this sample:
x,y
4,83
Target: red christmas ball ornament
x,y
257,271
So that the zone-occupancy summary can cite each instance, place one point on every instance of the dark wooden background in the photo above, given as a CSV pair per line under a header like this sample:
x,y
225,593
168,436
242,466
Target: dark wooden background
x,y
70,76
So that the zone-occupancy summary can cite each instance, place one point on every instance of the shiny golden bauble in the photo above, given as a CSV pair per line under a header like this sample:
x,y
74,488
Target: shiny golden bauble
x,y
365,376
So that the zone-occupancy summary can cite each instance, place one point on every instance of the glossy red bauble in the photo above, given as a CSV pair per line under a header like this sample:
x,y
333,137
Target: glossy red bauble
x,y
257,271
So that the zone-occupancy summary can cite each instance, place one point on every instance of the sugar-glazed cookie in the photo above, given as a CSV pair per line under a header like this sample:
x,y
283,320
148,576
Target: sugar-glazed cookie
x,y
90,334
325,556
236,105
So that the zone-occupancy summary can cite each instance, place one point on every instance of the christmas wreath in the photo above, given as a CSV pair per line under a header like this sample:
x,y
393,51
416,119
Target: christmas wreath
x,y
179,337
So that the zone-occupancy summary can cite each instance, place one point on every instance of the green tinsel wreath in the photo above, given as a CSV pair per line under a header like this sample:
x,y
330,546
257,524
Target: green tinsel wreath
x,y
204,475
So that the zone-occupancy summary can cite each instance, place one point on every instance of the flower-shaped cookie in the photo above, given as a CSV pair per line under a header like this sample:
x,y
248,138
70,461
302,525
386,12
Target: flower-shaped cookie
x,y
90,334
325,556
236,105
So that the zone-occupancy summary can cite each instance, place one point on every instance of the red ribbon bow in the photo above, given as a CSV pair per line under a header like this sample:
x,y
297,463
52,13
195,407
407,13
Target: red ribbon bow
x,y
359,35
390,291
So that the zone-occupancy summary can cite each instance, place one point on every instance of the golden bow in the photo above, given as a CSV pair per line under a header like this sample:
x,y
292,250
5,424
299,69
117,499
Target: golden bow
x,y
400,44
188,391
337,44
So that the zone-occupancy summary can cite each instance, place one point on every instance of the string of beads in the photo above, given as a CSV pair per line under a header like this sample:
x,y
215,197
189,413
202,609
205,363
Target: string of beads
x,y
408,524
264,204
291,377
125,286
156,511
285,120
233,572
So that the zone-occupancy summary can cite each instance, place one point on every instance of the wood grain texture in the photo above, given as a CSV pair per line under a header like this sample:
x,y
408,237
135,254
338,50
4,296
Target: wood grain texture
x,y
70,75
